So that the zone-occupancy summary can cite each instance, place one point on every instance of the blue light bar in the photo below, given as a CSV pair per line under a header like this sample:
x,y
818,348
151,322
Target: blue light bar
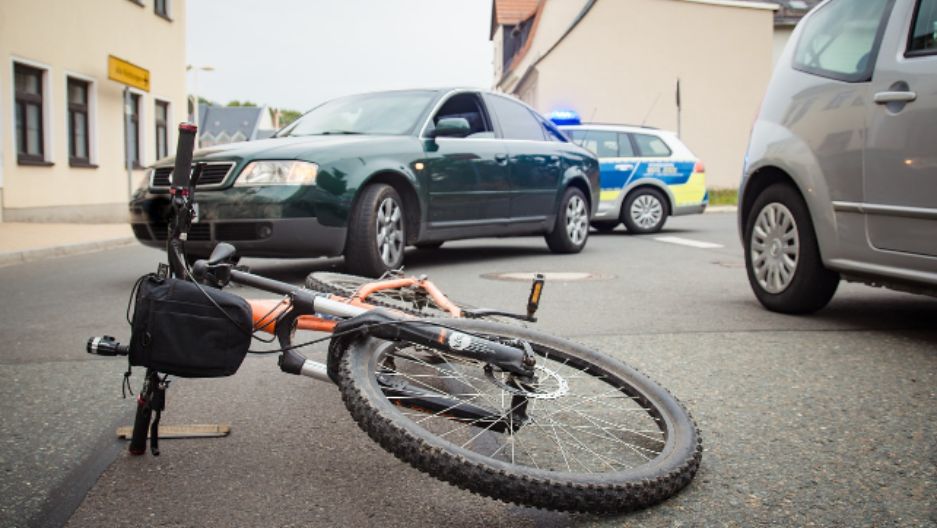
x,y
565,117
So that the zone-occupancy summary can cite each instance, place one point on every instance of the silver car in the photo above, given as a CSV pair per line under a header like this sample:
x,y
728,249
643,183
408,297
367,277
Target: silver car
x,y
840,177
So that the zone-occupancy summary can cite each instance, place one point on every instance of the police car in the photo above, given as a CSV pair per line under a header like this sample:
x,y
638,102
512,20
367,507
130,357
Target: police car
x,y
646,174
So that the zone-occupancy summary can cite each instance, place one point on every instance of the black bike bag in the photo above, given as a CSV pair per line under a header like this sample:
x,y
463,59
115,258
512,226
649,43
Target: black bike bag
x,y
177,329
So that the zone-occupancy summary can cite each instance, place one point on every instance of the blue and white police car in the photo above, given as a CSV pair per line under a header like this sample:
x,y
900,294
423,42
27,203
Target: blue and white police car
x,y
646,174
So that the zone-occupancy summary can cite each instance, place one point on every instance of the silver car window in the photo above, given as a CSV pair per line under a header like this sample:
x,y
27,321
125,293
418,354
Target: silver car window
x,y
923,37
840,39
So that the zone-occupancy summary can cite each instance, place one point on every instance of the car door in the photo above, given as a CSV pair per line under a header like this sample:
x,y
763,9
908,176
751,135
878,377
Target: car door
x,y
535,163
617,163
900,162
467,178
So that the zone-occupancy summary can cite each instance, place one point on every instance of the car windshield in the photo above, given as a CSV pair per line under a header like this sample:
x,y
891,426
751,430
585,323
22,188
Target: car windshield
x,y
392,113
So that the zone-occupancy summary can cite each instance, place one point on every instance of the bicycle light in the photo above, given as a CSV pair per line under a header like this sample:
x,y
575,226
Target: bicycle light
x,y
106,346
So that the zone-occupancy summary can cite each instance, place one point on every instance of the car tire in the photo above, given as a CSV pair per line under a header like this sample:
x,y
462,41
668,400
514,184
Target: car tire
x,y
571,230
428,246
782,257
376,232
645,211
605,227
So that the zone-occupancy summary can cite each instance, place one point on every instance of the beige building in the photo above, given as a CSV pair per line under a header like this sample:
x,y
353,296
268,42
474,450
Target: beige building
x,y
618,61
62,127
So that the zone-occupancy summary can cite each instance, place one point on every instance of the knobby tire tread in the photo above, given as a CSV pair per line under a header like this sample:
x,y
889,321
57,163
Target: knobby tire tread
x,y
507,486
316,284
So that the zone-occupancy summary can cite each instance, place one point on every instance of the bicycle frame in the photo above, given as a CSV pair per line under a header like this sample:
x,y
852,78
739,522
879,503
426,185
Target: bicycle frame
x,y
265,311
305,306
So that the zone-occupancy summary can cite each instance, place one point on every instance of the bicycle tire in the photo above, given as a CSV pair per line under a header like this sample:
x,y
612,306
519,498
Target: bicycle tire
x,y
406,300
430,441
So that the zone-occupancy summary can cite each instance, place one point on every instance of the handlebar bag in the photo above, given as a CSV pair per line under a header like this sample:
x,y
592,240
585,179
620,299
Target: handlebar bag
x,y
187,331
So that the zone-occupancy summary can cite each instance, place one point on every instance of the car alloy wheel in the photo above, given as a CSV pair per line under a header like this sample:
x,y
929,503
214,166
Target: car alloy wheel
x,y
775,248
646,211
577,220
390,241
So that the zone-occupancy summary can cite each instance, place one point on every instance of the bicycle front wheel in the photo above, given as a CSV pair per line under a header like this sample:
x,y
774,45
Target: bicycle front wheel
x,y
592,435
410,300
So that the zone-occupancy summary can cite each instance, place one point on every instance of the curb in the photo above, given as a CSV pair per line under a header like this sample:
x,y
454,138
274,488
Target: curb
x,y
722,209
32,255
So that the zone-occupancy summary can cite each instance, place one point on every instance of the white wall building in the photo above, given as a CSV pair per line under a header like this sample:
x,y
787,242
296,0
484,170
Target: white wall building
x,y
62,131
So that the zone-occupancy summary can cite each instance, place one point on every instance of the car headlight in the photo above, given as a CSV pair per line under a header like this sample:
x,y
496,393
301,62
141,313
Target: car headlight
x,y
277,173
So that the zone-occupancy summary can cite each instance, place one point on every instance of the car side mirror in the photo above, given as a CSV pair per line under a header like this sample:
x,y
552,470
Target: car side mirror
x,y
452,127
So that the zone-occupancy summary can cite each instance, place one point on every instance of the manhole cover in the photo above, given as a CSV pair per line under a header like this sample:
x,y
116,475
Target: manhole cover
x,y
561,276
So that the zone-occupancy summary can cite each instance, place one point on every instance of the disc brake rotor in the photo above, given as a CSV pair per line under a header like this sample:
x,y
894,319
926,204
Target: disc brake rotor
x,y
519,388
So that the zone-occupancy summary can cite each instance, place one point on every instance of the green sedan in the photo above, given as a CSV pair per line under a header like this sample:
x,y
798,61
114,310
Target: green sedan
x,y
365,176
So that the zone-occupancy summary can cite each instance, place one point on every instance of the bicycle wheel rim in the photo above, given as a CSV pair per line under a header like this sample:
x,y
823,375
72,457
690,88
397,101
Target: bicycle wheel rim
x,y
612,490
402,299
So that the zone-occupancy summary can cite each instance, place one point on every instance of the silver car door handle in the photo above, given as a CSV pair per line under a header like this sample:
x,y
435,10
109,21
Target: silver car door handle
x,y
894,97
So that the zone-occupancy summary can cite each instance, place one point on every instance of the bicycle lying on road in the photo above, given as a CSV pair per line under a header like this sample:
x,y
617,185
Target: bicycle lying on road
x,y
498,409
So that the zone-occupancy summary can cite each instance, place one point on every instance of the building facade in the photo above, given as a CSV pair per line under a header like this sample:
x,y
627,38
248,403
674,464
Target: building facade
x,y
63,134
618,61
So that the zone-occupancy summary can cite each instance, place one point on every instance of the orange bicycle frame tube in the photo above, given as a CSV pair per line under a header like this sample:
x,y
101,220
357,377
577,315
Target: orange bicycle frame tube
x,y
265,311
393,284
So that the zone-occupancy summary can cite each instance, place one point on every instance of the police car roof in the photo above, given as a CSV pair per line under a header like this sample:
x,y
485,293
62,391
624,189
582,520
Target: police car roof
x,y
614,127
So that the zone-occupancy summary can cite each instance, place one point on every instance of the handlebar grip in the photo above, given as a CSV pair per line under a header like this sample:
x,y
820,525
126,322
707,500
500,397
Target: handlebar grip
x,y
184,148
141,426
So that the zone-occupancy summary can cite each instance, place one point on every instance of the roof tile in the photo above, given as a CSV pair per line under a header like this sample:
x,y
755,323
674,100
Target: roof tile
x,y
510,12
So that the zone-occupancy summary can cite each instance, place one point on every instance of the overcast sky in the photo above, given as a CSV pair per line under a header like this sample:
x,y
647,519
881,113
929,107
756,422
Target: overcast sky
x,y
297,53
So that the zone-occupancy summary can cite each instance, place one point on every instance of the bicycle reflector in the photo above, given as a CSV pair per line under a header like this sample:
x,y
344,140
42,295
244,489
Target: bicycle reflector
x,y
533,302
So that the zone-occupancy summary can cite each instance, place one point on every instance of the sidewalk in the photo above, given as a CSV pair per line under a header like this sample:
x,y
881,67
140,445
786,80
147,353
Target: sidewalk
x,y
27,242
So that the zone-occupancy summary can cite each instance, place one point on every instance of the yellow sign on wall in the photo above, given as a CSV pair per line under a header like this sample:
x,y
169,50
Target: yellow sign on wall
x,y
126,73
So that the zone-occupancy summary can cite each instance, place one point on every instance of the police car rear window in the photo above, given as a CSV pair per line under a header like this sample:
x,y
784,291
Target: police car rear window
x,y
651,146
603,144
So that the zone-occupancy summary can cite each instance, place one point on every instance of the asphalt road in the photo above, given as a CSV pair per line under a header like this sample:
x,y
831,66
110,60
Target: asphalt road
x,y
826,420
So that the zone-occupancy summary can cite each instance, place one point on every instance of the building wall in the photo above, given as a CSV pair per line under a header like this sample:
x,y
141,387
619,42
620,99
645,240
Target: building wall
x,y
555,17
781,35
69,38
621,64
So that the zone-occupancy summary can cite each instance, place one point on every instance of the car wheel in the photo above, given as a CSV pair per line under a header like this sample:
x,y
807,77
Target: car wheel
x,y
428,246
645,211
781,254
376,232
605,227
572,224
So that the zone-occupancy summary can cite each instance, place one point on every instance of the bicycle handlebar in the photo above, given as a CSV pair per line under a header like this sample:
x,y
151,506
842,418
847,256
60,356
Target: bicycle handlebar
x,y
184,151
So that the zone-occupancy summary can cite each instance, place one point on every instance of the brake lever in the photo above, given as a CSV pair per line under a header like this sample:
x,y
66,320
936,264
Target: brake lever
x,y
533,302
478,313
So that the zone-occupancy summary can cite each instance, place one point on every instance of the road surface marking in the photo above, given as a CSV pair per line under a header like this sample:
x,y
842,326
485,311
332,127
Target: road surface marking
x,y
688,242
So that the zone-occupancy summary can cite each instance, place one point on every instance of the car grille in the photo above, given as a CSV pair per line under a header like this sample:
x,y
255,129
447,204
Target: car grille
x,y
212,174
197,232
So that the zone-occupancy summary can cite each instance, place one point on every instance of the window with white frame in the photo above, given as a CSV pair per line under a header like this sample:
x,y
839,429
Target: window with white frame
x,y
161,8
79,121
161,118
133,131
29,103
